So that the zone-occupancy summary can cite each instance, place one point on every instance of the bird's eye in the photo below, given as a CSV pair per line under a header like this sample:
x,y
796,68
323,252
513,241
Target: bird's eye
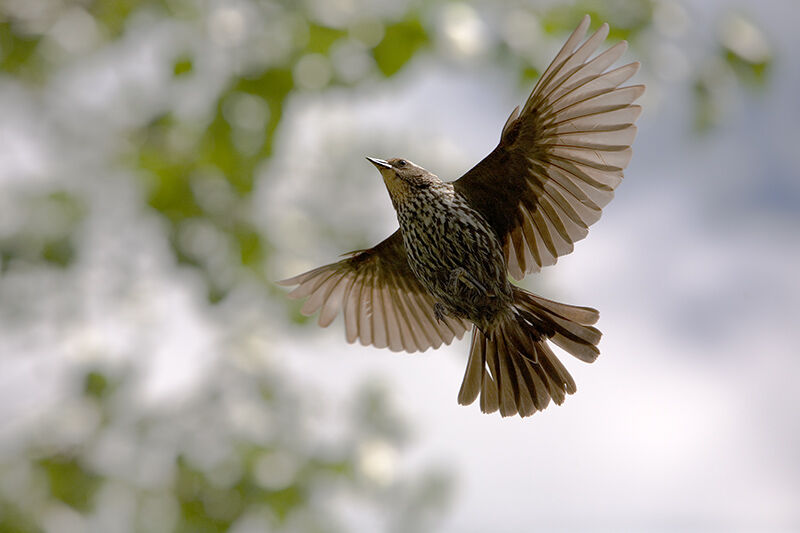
x,y
401,163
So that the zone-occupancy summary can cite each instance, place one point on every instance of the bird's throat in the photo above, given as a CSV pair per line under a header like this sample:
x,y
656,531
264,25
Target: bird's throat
x,y
399,190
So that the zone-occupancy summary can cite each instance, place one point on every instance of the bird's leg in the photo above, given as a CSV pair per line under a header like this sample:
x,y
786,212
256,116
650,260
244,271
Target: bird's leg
x,y
461,275
439,312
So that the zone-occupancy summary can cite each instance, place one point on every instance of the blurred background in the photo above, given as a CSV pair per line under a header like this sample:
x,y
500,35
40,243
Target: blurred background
x,y
163,161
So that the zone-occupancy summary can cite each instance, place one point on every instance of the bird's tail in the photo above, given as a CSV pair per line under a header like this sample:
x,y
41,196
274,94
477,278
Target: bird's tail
x,y
513,368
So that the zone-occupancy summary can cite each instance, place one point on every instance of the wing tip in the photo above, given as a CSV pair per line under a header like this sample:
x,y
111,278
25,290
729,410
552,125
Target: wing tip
x,y
300,278
639,89
619,48
580,30
603,31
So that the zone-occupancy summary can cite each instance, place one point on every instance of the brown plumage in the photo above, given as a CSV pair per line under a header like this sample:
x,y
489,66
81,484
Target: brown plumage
x,y
557,164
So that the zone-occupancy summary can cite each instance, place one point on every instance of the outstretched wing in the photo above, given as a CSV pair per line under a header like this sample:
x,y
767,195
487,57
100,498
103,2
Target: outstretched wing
x,y
382,301
561,157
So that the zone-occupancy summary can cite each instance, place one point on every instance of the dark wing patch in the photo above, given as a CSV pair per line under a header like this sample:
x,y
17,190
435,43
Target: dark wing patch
x,y
559,158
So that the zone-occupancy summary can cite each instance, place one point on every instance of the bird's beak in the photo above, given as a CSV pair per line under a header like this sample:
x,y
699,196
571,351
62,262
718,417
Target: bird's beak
x,y
379,163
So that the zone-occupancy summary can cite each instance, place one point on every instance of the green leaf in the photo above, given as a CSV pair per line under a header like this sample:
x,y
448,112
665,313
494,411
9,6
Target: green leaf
x,y
70,482
16,50
183,65
320,38
283,501
14,520
58,252
113,14
273,85
400,42
200,501
626,19
95,385
751,73
530,74
250,249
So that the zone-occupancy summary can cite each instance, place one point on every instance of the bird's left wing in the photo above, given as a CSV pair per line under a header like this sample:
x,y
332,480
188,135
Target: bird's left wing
x,y
559,158
382,301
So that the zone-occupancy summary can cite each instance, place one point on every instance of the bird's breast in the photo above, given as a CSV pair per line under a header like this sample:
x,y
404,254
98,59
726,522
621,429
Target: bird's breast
x,y
455,254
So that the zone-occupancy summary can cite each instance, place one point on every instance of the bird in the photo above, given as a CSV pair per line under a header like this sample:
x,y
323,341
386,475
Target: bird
x,y
446,269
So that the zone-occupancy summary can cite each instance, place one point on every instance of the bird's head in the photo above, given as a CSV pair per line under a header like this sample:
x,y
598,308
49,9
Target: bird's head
x,y
403,178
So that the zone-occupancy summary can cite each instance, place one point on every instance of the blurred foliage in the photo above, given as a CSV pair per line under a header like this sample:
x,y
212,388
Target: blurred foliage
x,y
627,19
69,481
399,44
18,49
270,469
181,159
235,454
46,230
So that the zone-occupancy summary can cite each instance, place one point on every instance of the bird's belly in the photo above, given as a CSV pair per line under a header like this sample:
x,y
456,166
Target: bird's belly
x,y
460,262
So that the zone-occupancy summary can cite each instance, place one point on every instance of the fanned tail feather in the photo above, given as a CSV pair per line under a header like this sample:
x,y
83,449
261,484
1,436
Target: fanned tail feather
x,y
512,367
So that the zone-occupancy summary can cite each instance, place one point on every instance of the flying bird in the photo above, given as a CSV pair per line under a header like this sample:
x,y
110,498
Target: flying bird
x,y
446,269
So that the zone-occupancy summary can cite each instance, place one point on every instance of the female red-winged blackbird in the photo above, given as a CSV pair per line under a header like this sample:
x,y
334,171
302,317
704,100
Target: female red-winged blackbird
x,y
557,164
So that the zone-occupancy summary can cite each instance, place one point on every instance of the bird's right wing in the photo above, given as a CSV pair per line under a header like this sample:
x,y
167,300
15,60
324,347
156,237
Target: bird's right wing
x,y
382,301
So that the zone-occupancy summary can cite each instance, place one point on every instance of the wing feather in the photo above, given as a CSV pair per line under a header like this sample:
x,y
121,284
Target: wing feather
x,y
408,337
365,326
333,301
561,157
411,331
382,302
351,309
